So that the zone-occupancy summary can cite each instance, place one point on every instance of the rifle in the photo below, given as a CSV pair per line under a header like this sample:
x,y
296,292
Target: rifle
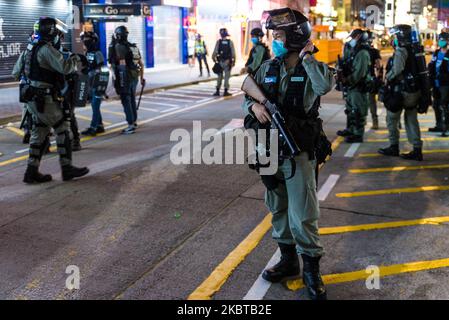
x,y
251,88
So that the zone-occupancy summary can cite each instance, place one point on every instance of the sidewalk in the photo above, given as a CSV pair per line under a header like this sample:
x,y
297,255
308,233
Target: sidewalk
x,y
11,109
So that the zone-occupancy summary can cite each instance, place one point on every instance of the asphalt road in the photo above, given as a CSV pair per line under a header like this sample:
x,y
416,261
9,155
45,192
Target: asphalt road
x,y
140,227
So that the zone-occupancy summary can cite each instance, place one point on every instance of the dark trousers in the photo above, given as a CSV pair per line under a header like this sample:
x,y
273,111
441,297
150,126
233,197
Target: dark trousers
x,y
129,102
201,58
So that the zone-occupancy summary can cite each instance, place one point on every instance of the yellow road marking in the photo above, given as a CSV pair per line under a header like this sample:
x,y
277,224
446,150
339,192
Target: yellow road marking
x,y
384,271
405,139
400,168
391,191
372,155
113,112
223,271
89,119
384,225
15,130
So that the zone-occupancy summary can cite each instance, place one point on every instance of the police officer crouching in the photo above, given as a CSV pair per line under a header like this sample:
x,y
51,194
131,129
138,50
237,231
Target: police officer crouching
x,y
259,52
402,76
127,64
356,80
294,81
439,74
45,68
98,77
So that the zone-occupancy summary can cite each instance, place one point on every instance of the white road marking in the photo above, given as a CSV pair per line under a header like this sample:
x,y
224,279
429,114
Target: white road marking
x,y
153,110
260,287
352,150
149,98
168,93
232,125
171,109
327,187
164,104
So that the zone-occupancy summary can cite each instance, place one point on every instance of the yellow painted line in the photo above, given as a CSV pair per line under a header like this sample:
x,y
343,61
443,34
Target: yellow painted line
x,y
404,139
11,161
391,191
122,114
223,271
384,225
385,271
15,130
89,119
386,131
372,155
400,168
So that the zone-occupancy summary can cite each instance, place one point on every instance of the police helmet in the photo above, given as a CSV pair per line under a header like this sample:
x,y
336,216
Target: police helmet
x,y
121,33
46,28
364,35
90,39
443,36
402,32
294,23
224,32
257,32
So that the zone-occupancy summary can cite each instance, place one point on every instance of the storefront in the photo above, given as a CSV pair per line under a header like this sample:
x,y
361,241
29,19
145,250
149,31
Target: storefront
x,y
17,18
157,27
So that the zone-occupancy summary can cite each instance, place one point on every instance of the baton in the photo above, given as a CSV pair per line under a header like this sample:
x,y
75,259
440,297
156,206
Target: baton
x,y
141,93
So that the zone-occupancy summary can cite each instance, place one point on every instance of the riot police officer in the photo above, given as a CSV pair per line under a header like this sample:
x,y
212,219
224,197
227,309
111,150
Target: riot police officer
x,y
127,65
258,54
357,99
45,68
294,80
376,72
224,55
401,76
96,61
439,73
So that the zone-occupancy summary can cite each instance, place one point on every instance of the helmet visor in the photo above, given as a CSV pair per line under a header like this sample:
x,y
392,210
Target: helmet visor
x,y
279,18
61,26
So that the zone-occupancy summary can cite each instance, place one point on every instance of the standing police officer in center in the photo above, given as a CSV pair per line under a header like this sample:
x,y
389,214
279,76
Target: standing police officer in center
x,y
400,74
224,55
294,80
127,64
45,68
357,100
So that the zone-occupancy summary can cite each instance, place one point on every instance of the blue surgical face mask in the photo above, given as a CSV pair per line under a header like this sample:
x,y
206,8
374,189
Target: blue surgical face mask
x,y
353,43
279,48
442,43
255,41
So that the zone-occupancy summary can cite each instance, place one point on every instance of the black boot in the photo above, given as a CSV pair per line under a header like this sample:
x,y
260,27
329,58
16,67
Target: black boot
x,y
226,93
100,129
392,151
70,172
217,93
89,132
311,277
32,175
375,124
344,133
287,268
436,129
416,154
354,139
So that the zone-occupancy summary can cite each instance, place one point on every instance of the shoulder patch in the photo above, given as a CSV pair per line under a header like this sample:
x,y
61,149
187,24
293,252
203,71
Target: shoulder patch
x,y
270,80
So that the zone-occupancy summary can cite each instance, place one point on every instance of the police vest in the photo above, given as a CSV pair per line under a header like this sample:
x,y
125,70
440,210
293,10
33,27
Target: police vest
x,y
92,60
34,72
224,50
200,47
266,55
443,74
305,126
132,56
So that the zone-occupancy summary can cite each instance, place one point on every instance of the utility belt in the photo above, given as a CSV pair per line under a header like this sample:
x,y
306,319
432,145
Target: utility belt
x,y
29,93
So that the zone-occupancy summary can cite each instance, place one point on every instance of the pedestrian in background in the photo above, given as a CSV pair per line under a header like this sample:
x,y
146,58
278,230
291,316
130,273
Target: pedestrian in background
x,y
201,54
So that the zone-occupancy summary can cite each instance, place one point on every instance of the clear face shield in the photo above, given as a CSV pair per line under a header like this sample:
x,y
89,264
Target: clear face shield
x,y
279,19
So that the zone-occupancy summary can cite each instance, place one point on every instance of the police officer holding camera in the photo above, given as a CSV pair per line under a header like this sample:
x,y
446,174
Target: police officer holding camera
x,y
45,68
294,80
